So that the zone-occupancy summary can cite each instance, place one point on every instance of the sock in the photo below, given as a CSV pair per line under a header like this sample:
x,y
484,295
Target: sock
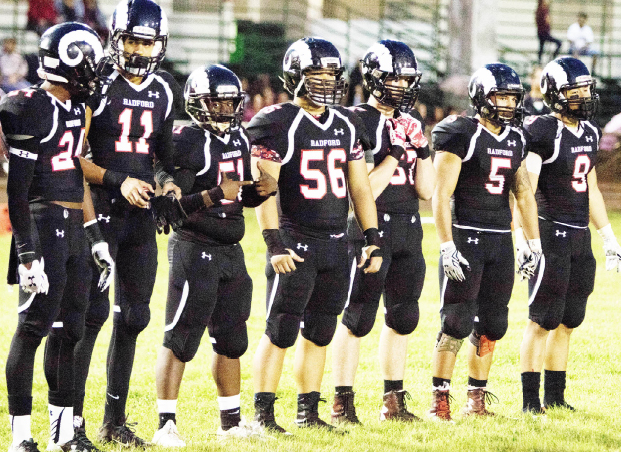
x,y
441,383
474,383
393,385
61,424
343,389
229,403
82,354
78,421
167,410
530,391
554,387
230,413
165,417
20,427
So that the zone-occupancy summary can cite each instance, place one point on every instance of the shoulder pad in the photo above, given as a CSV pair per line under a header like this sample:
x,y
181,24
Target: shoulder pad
x,y
452,130
25,112
540,127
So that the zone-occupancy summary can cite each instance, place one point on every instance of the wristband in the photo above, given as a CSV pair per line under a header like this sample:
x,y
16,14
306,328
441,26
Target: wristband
x,y
423,153
606,233
216,194
397,152
161,176
192,203
114,179
273,241
93,233
372,237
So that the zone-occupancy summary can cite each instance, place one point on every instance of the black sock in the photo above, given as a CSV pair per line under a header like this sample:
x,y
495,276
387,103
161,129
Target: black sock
x,y
264,401
20,371
530,391
554,387
82,354
58,367
393,385
477,383
165,417
343,389
439,382
230,418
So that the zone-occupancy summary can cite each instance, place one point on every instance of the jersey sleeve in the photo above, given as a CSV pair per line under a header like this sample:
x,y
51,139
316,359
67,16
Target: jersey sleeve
x,y
185,167
362,143
540,131
267,133
451,135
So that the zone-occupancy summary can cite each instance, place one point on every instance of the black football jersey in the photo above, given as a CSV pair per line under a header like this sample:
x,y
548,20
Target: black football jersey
x,y
568,157
313,153
400,195
206,156
489,164
58,128
132,123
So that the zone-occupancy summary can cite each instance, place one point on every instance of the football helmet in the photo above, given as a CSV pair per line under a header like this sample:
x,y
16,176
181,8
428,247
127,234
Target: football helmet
x,y
138,19
213,95
69,53
496,78
305,59
389,59
563,74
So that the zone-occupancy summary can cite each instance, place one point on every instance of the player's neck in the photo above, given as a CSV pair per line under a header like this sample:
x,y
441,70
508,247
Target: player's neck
x,y
57,90
309,106
489,125
131,78
570,122
385,110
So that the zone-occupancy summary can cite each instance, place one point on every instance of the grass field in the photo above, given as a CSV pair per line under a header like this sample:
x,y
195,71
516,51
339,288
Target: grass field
x,y
594,378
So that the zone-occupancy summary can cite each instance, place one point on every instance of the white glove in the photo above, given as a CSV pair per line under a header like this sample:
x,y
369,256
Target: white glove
x,y
452,260
104,261
528,254
35,279
611,248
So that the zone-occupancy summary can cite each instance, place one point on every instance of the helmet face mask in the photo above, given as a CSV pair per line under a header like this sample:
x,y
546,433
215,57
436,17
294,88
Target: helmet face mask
x,y
325,87
487,85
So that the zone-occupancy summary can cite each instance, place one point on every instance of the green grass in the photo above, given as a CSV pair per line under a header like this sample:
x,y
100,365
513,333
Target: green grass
x,y
594,378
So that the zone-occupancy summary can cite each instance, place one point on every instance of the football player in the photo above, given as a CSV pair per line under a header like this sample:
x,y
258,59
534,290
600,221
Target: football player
x,y
313,149
561,167
131,125
478,161
209,286
401,173
45,128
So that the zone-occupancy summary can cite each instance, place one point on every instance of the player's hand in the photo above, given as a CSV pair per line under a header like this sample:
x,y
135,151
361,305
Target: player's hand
x,y
613,255
104,261
167,212
171,187
32,277
372,254
452,260
528,256
266,185
413,131
285,263
136,192
396,132
230,185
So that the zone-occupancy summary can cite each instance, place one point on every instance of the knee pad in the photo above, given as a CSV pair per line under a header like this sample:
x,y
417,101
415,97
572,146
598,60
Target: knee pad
x,y
72,328
184,345
136,317
232,343
457,321
483,344
549,322
282,329
97,313
403,317
493,328
359,318
319,328
446,343
573,319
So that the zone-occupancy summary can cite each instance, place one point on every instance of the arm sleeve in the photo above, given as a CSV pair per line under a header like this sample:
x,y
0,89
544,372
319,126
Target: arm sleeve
x,y
164,147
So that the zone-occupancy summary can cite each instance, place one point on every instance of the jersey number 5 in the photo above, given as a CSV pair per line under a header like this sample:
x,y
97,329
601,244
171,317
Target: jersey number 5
x,y
125,119
336,175
64,160
497,181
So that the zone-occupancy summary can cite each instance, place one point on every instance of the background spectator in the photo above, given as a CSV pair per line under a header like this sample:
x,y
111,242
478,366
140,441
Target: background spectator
x,y
13,67
70,10
580,37
542,17
94,18
533,101
41,15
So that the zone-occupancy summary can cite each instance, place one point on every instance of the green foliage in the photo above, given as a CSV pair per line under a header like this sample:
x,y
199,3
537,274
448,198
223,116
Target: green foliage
x,y
594,378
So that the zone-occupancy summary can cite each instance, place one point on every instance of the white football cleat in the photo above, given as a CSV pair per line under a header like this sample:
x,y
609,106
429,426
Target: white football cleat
x,y
53,447
168,436
253,430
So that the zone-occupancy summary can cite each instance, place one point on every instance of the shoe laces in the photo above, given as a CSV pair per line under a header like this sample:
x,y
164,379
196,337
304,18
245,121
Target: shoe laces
x,y
30,446
443,401
83,441
406,395
490,398
126,432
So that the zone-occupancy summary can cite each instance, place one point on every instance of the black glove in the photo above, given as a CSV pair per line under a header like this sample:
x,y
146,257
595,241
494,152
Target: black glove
x,y
167,212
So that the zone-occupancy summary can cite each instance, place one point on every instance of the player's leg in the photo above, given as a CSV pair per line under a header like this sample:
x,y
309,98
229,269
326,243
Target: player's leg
x,y
136,267
403,286
547,292
492,318
459,307
580,285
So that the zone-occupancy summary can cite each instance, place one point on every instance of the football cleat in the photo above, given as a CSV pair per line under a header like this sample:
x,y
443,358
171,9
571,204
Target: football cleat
x,y
264,416
168,436
440,406
25,446
395,408
343,409
252,430
477,399
308,412
123,434
563,405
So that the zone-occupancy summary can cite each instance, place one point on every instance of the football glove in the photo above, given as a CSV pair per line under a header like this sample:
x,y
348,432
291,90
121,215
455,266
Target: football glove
x,y
167,212
104,261
452,260
397,136
611,248
528,254
413,130
34,280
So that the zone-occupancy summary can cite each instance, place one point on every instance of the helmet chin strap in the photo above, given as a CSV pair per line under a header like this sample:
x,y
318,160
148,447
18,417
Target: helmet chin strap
x,y
298,88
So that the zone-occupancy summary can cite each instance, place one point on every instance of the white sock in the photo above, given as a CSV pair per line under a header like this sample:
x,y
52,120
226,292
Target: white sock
x,y
78,422
20,426
166,406
229,403
61,423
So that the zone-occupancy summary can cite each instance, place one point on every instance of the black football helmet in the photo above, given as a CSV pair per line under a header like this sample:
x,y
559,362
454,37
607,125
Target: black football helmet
x,y
213,95
307,57
496,78
138,19
561,75
395,60
69,53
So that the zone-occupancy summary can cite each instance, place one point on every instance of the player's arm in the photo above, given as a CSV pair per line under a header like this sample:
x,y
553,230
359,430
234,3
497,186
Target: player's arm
x,y
525,201
380,176
425,174
164,151
599,218
366,213
424,178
